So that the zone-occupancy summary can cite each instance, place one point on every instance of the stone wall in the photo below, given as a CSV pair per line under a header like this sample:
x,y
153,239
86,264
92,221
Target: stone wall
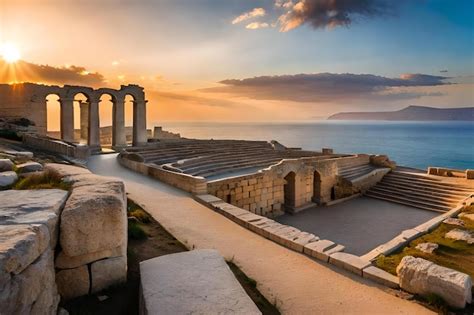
x,y
56,146
258,193
195,185
55,243
264,192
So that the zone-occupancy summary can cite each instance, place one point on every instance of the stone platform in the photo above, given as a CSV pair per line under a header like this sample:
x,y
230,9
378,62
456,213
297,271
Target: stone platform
x,y
195,282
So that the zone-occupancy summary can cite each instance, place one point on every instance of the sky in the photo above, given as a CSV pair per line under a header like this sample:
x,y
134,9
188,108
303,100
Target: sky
x,y
259,60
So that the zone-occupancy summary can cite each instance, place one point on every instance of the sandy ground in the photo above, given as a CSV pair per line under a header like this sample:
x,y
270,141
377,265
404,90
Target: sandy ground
x,y
359,224
296,283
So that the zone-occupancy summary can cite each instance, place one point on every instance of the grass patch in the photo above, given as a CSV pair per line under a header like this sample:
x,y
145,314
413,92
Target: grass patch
x,y
135,231
48,179
134,210
457,255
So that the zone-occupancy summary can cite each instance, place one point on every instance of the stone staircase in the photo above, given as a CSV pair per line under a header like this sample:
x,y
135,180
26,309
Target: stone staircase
x,y
353,172
420,191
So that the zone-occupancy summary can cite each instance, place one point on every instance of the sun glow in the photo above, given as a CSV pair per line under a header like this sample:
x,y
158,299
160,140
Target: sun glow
x,y
9,52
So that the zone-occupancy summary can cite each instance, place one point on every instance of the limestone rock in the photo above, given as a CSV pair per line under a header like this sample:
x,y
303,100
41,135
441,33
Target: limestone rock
x,y
427,248
94,217
107,272
41,206
66,170
21,245
33,291
195,282
469,216
29,167
453,221
7,178
73,282
6,165
460,235
423,277
64,261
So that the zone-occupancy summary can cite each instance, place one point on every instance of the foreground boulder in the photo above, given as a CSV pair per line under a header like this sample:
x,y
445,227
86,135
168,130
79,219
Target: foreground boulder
x,y
420,276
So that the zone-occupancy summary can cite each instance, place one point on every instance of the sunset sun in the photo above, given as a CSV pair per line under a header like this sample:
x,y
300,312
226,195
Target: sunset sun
x,y
10,53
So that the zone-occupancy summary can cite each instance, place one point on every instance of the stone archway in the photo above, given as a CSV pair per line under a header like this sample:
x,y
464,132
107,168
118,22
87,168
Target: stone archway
x,y
289,191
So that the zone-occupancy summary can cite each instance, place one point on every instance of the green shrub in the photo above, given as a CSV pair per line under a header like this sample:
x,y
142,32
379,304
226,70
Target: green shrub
x,y
45,180
135,231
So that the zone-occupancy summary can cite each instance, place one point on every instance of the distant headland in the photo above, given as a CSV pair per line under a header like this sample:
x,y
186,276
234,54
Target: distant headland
x,y
411,113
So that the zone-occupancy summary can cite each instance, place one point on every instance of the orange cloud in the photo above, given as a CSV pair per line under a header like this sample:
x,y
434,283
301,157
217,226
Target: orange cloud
x,y
248,15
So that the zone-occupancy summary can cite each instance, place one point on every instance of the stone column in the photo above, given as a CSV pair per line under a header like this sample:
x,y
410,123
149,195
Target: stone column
x,y
84,107
118,124
94,128
139,123
67,119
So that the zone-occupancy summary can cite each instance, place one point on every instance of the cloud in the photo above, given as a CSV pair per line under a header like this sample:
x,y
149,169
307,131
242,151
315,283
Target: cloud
x,y
256,25
193,98
23,71
328,13
326,87
249,15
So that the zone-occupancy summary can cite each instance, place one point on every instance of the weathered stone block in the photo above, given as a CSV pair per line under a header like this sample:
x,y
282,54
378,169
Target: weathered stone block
x,y
66,170
21,245
423,277
94,218
64,261
41,206
198,282
349,262
73,282
33,291
301,239
380,276
318,249
470,174
107,272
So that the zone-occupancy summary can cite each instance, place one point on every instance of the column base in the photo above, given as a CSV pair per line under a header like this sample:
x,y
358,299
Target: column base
x,y
95,149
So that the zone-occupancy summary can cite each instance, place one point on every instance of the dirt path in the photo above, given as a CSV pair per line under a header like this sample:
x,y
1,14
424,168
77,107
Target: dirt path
x,y
296,283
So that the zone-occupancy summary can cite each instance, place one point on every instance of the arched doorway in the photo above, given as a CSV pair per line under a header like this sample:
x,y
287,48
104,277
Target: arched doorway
x,y
289,191
129,112
106,120
317,187
53,116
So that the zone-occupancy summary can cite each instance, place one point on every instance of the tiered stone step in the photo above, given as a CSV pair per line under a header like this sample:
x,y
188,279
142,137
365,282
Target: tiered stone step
x,y
420,191
355,171
209,158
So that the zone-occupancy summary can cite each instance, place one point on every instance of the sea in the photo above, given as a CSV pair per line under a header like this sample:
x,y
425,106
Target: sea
x,y
414,144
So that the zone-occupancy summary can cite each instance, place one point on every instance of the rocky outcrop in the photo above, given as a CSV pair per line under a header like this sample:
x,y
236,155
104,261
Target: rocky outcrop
x,y
7,179
6,165
460,235
427,248
423,277
29,167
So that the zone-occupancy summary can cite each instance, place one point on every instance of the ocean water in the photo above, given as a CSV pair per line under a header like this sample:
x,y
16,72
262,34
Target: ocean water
x,y
413,144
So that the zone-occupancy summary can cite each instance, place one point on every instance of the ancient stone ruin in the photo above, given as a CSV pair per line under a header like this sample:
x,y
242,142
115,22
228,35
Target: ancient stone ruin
x,y
28,101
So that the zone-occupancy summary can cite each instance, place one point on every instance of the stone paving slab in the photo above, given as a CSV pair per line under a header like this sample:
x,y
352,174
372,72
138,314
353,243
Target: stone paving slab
x,y
195,282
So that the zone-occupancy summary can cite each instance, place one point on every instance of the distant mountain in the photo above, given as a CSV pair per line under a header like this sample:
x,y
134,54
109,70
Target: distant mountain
x,y
411,113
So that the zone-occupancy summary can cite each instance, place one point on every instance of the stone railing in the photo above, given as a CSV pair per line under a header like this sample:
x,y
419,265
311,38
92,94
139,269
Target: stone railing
x,y
56,146
194,185
450,172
